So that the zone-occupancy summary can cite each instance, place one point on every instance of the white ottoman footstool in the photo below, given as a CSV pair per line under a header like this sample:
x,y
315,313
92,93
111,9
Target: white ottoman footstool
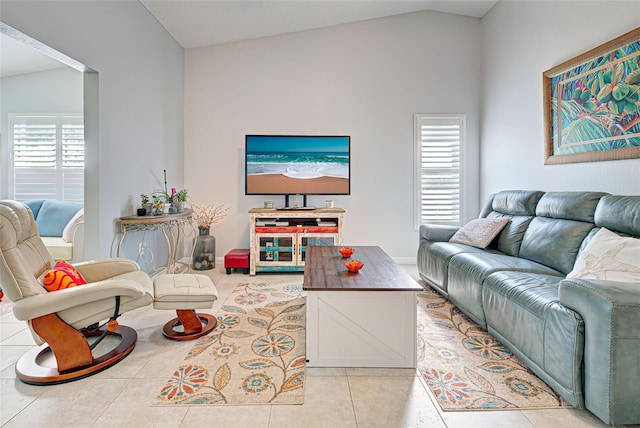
x,y
185,293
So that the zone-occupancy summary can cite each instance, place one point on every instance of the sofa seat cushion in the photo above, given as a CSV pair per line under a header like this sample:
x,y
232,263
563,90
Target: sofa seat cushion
x,y
553,341
58,248
467,271
433,260
523,297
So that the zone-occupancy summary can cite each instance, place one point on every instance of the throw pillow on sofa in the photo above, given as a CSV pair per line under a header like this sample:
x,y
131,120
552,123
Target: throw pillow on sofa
x,y
63,275
479,232
609,256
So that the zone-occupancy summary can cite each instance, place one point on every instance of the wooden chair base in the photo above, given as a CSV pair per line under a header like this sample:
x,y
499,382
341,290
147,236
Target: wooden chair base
x,y
31,372
194,325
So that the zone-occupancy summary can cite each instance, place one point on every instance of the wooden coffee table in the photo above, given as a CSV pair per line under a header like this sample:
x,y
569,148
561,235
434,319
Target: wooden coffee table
x,y
364,319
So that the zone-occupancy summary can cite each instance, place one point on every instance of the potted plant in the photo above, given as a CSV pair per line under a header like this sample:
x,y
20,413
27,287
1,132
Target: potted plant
x,y
158,204
180,199
165,201
144,201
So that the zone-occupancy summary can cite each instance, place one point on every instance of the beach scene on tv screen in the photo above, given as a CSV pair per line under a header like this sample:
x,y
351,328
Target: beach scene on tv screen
x,y
297,165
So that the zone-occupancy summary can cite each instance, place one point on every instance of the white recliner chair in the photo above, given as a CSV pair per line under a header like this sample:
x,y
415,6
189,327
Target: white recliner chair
x,y
69,322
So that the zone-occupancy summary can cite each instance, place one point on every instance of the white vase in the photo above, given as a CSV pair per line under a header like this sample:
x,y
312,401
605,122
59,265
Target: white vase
x,y
180,205
165,208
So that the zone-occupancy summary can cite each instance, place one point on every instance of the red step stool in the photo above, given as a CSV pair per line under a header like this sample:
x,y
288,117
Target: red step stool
x,y
237,259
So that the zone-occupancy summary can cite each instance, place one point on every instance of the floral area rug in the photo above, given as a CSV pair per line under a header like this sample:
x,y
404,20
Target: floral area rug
x,y
256,354
467,369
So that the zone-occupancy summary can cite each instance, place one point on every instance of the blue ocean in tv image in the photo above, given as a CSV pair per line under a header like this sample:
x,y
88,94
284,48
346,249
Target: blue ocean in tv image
x,y
298,156
299,165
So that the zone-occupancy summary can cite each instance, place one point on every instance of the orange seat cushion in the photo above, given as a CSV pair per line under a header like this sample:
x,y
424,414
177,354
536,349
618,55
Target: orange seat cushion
x,y
63,275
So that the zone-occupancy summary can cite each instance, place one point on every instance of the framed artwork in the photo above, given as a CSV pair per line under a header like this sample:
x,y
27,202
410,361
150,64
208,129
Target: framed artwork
x,y
591,107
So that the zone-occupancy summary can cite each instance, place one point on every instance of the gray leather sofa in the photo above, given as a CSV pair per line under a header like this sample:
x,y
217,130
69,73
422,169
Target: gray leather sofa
x,y
582,337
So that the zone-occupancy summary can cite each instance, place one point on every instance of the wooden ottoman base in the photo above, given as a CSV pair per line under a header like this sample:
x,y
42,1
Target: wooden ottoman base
x,y
194,325
185,293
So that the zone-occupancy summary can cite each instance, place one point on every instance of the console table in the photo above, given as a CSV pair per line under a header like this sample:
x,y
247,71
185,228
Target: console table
x,y
279,238
171,226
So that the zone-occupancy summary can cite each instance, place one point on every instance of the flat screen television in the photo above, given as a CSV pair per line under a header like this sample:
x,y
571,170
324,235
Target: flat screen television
x,y
297,165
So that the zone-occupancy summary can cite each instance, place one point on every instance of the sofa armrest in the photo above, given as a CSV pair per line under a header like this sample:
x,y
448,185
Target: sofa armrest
x,y
437,233
78,243
611,313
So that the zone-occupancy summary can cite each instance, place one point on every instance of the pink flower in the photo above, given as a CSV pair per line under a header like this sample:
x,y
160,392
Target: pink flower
x,y
173,191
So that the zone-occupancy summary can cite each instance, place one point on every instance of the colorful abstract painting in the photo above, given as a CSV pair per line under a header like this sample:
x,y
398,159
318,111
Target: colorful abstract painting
x,y
592,104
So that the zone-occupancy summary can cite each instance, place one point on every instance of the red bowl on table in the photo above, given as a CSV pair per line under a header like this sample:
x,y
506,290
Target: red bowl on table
x,y
354,265
346,252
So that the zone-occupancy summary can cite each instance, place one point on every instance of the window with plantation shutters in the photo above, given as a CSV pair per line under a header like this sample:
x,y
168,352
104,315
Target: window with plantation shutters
x,y
47,157
438,147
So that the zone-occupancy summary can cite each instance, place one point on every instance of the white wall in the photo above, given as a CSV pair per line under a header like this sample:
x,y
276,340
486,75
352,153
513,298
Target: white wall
x,y
140,112
365,80
53,91
520,41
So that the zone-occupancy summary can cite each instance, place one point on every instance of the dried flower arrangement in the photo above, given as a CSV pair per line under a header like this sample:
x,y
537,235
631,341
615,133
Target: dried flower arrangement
x,y
208,215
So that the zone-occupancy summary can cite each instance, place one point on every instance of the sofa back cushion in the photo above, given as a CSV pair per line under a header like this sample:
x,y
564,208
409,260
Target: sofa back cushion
x,y
510,238
516,202
54,215
520,207
579,206
555,235
553,242
619,213
35,205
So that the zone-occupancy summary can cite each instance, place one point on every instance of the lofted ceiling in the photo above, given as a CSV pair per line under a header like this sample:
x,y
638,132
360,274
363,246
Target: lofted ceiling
x,y
208,22
195,23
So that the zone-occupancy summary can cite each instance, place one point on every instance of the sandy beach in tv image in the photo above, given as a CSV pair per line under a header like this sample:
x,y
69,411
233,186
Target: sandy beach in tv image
x,y
292,165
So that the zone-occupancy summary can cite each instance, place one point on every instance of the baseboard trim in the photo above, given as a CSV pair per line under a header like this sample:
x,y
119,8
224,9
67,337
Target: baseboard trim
x,y
405,260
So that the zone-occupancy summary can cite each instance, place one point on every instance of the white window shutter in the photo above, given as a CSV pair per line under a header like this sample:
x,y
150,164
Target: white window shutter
x,y
47,157
73,159
438,145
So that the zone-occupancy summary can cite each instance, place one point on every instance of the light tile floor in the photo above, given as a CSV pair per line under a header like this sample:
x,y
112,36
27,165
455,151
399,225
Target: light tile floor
x,y
122,395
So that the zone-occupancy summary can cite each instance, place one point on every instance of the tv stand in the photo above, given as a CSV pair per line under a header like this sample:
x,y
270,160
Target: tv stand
x,y
278,240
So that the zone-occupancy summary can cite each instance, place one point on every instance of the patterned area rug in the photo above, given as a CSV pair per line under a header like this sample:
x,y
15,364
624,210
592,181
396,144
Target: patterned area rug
x,y
256,354
467,369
